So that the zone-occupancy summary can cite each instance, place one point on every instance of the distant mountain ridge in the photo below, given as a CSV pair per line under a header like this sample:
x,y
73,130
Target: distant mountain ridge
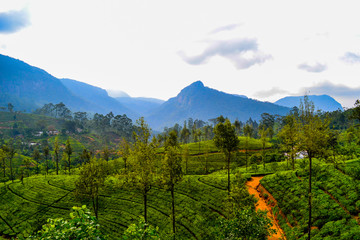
x,y
29,88
200,102
142,106
321,102
99,97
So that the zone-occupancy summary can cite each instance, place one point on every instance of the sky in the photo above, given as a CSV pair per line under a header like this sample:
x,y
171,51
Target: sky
x,y
262,49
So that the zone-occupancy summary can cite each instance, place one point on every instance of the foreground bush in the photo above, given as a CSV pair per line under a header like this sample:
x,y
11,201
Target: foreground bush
x,y
82,225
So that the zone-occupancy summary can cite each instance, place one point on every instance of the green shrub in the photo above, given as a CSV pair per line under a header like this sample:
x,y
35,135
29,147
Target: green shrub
x,y
82,225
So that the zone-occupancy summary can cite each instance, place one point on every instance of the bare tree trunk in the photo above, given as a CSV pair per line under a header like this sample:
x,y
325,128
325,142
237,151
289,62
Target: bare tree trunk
x,y
173,209
47,166
57,164
246,159
69,162
4,165
228,167
145,206
11,170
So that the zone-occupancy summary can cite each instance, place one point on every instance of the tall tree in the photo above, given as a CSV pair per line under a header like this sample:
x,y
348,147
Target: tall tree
x,y
356,110
68,150
248,131
10,153
85,156
124,150
10,107
314,134
91,181
106,153
263,138
56,152
3,161
237,126
226,140
171,170
185,134
142,164
290,138
36,156
185,156
46,152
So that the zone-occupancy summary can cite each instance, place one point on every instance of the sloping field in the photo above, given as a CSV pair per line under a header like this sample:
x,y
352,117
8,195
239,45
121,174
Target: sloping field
x,y
28,205
335,203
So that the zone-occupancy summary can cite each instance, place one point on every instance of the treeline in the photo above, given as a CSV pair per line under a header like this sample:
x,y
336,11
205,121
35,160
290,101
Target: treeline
x,y
82,121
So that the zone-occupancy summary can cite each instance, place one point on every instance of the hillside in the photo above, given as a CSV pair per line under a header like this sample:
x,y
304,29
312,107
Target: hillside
x,y
200,102
321,102
29,88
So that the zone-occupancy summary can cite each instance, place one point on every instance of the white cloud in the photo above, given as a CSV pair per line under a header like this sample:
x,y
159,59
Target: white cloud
x,y
351,58
315,68
233,50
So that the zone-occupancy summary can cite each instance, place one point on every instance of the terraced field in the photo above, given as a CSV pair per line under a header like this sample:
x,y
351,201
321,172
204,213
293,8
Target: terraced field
x,y
336,203
198,204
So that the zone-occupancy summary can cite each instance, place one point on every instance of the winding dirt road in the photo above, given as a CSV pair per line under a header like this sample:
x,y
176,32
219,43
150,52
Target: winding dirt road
x,y
261,204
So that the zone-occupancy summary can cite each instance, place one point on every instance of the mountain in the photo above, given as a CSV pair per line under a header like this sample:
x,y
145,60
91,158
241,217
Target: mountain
x,y
29,88
321,102
142,106
200,102
97,97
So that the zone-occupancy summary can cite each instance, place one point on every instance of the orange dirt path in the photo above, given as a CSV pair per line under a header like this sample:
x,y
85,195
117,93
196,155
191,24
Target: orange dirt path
x,y
261,204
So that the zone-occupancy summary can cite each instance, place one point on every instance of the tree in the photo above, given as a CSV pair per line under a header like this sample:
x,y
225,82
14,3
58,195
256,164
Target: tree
x,y
10,107
267,122
68,150
3,161
106,153
85,156
46,152
185,156
124,150
226,140
248,130
237,126
356,111
56,152
290,138
185,134
142,167
10,153
91,181
36,156
314,134
263,138
171,170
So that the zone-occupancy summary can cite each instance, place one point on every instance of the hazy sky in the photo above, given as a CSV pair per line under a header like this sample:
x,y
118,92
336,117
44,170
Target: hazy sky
x,y
261,49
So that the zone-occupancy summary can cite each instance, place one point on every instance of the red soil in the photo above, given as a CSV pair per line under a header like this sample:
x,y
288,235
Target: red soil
x,y
253,185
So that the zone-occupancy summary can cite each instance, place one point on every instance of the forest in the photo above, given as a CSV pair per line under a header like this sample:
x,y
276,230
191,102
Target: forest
x,y
75,175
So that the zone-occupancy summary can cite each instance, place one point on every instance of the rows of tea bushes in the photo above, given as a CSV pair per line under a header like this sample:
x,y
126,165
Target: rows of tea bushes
x,y
334,208
199,202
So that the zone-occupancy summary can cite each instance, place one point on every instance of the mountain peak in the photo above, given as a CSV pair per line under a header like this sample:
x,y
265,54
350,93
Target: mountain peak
x,y
322,102
197,84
